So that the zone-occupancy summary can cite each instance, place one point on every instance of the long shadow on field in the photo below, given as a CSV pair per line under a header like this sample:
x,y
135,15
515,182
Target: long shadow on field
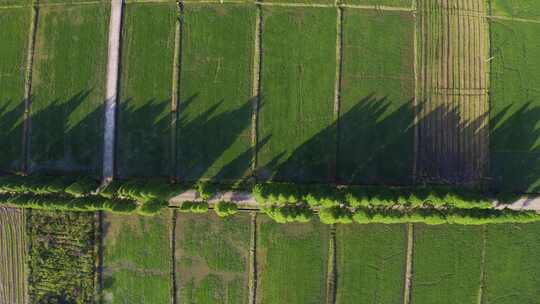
x,y
143,145
515,148
66,135
11,132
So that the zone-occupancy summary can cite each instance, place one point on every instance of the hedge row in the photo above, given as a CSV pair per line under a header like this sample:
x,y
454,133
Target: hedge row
x,y
62,203
42,185
369,196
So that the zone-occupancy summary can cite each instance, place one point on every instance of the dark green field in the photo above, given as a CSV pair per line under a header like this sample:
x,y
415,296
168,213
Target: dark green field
x,y
297,95
512,268
515,106
376,136
14,3
528,9
447,264
292,262
68,89
144,118
212,258
371,263
214,137
15,24
137,259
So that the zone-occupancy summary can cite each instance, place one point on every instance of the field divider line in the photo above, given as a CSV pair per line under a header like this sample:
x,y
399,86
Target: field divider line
x,y
111,98
416,92
331,276
175,96
32,34
256,87
337,83
174,285
252,280
98,249
482,265
408,264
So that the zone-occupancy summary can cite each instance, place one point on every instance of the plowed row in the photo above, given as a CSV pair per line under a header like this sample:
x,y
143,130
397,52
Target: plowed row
x,y
12,256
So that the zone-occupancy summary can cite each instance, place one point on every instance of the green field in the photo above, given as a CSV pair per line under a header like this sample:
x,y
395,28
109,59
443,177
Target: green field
x,y
295,128
212,258
62,257
68,89
392,3
515,106
528,9
371,263
15,24
376,138
512,269
144,118
447,264
291,262
14,3
137,259
12,255
214,129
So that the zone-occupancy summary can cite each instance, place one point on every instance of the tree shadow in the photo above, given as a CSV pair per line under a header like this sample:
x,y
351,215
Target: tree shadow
x,y
11,136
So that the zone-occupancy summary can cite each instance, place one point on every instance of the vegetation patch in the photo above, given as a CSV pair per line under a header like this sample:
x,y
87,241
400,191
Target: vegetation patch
x,y
447,264
68,87
62,257
515,106
13,255
370,263
296,130
15,25
144,116
527,9
291,253
406,4
212,258
137,259
511,270
376,136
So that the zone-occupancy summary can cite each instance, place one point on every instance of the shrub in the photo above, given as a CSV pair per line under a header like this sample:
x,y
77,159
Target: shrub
x,y
142,190
82,187
224,209
194,207
35,184
335,215
289,213
152,207
206,190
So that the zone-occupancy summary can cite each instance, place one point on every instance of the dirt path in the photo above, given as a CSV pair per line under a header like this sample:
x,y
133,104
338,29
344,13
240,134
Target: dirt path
x,y
408,265
113,64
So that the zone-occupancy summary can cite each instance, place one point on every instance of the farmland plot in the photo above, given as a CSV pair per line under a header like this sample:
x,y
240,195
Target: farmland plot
x,y
214,138
447,264
515,106
15,24
11,3
12,255
376,139
137,259
296,130
371,263
512,269
144,119
404,4
62,257
68,89
527,9
453,51
212,258
291,262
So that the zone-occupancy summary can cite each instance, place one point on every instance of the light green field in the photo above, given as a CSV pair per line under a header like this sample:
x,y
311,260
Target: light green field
x,y
371,263
376,139
212,258
12,3
70,1
527,9
446,264
12,255
297,95
68,87
144,119
391,3
512,269
214,133
137,259
515,106
15,24
292,262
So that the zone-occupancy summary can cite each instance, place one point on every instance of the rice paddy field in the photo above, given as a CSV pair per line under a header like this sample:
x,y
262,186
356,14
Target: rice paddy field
x,y
526,9
447,264
214,127
212,258
68,89
137,259
291,253
15,24
12,255
370,263
144,118
376,135
296,115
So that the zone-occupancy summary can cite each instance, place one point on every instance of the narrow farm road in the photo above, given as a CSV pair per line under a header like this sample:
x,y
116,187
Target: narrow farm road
x,y
115,27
